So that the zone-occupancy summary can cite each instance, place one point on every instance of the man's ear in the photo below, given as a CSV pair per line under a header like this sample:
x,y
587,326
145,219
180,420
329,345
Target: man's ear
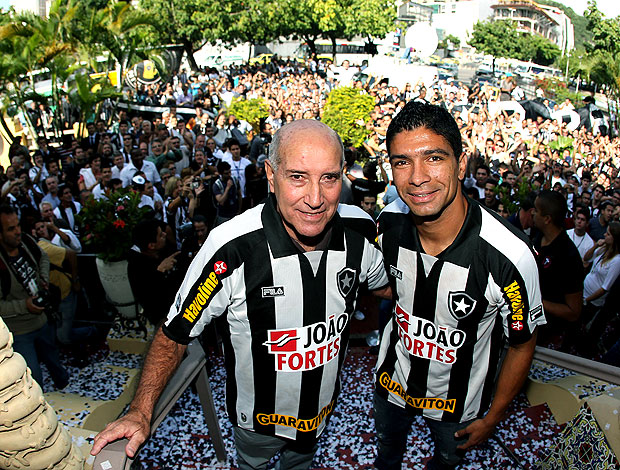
x,y
270,173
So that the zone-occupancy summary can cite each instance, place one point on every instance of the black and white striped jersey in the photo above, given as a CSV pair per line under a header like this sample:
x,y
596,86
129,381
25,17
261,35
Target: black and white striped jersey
x,y
441,351
284,315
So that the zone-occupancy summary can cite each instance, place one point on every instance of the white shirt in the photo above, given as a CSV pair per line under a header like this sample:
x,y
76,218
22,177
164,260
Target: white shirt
x,y
583,243
601,275
74,242
148,168
237,171
69,213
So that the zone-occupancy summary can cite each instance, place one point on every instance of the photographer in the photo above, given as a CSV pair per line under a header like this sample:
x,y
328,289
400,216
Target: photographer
x,y
260,143
181,204
24,277
227,195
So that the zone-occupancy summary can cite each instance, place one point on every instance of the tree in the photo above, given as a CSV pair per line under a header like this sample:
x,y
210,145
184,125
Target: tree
x,y
334,19
497,38
534,48
259,23
192,23
347,111
119,30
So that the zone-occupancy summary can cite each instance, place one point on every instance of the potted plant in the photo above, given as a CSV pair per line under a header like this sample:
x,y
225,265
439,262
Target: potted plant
x,y
107,227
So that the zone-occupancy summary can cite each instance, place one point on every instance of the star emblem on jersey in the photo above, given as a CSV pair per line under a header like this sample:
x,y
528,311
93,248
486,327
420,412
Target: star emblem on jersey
x,y
220,267
346,278
460,304
516,325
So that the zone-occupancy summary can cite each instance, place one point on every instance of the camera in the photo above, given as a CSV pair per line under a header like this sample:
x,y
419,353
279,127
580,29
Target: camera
x,y
196,182
43,299
186,230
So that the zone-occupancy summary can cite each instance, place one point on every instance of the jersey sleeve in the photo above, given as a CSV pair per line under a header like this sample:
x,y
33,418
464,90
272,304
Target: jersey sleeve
x,y
522,310
374,267
204,294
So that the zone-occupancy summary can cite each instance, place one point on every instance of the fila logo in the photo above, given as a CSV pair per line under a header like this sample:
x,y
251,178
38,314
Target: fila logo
x,y
397,273
273,291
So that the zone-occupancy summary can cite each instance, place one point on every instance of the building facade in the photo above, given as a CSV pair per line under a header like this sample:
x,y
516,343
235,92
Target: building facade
x,y
535,18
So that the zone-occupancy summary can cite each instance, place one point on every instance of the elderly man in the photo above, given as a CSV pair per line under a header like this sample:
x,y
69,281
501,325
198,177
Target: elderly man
x,y
282,278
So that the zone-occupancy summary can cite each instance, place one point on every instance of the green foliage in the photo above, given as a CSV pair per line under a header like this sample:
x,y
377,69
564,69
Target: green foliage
x,y
497,38
562,143
249,110
449,42
534,48
332,19
500,39
557,90
108,224
347,111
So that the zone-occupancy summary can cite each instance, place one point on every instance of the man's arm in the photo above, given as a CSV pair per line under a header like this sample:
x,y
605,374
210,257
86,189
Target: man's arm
x,y
514,371
162,360
570,310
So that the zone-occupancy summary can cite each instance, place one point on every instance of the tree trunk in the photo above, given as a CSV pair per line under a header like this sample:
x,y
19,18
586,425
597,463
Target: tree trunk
x,y
7,130
333,39
312,46
493,66
189,50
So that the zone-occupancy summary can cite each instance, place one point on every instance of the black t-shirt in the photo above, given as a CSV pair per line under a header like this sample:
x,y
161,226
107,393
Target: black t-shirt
x,y
560,268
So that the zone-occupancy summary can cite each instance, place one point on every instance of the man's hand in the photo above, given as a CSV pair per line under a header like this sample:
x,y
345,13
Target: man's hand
x,y
32,308
134,426
168,263
478,432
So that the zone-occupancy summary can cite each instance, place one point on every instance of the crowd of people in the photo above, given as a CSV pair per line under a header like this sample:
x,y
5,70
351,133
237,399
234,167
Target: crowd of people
x,y
195,172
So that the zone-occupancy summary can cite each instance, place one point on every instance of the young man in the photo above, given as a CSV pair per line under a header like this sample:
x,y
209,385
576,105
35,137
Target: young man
x,y
560,267
278,277
578,235
463,280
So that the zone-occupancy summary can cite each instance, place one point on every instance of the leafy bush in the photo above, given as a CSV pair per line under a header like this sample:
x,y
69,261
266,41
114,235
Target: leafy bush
x,y
107,224
557,90
347,111
249,110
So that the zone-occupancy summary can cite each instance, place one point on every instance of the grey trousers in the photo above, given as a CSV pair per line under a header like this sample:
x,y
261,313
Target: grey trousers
x,y
254,451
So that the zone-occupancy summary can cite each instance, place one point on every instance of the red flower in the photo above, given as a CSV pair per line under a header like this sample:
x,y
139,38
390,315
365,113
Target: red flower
x,y
120,208
119,223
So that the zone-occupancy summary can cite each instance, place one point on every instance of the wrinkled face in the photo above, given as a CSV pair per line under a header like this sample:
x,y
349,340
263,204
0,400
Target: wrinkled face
x,y
426,173
157,148
199,157
47,213
106,149
307,183
52,184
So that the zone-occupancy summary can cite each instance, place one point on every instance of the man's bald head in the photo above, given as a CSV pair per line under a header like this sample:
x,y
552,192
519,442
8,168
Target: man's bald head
x,y
293,129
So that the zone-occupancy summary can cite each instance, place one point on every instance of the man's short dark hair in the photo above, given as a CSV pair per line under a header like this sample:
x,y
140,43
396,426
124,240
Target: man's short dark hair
x,y
222,166
145,233
553,204
434,118
581,210
197,219
528,202
7,210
